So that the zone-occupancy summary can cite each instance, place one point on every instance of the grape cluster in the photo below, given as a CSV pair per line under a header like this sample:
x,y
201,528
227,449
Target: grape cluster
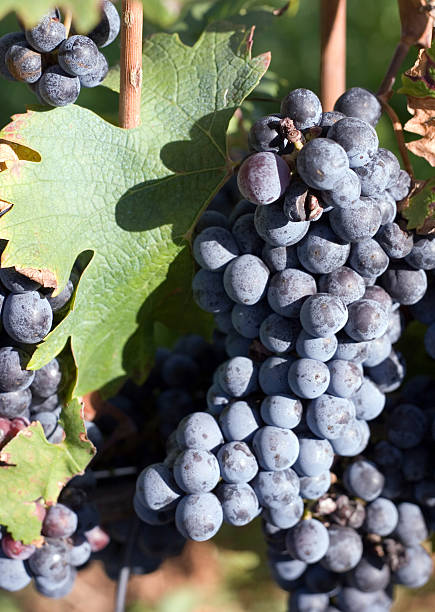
x,y
27,313
176,386
71,533
305,278
55,65
71,530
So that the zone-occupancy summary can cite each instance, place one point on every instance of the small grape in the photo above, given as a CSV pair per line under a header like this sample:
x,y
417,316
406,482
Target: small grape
x,y
281,411
359,221
108,28
322,315
344,551
346,191
263,178
27,317
265,135
315,456
406,286
303,107
6,42
362,478
401,187
308,541
308,378
196,471
274,227
381,516
214,247
239,503
237,463
345,378
276,489
239,421
23,63
78,55
47,34
275,448
368,258
14,549
321,251
245,279
199,517
361,103
60,522
344,283
329,416
367,320
57,88
321,162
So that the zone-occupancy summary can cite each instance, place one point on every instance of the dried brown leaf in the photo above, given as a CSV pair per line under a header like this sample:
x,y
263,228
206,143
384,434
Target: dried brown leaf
x,y
422,123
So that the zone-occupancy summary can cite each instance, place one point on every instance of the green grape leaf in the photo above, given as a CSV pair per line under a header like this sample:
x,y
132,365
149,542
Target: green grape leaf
x,y
33,472
85,13
420,210
129,198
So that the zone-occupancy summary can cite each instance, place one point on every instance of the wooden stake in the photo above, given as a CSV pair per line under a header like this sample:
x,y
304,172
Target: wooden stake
x,y
131,63
333,51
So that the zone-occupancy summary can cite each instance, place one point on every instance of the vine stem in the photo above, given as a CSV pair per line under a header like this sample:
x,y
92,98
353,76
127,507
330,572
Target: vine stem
x,y
124,574
398,131
333,51
131,63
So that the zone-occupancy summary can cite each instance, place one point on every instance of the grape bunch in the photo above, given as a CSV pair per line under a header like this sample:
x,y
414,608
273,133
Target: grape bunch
x,y
54,65
27,314
305,278
148,414
70,534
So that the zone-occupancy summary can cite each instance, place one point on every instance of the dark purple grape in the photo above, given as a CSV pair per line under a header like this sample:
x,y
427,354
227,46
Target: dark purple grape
x,y
60,521
108,28
23,63
57,88
265,135
263,178
357,137
6,42
303,107
47,34
361,103
78,55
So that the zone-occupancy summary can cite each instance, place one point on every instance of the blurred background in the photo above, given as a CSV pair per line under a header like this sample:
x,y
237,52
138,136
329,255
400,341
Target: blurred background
x,y
230,573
